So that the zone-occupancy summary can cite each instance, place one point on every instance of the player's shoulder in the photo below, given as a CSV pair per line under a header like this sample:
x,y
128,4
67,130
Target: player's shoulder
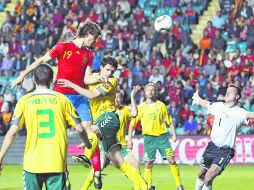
x,y
59,95
89,52
25,97
158,102
218,104
113,80
126,108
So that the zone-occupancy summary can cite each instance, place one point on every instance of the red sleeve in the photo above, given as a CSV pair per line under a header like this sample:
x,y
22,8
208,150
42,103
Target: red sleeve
x,y
56,50
90,56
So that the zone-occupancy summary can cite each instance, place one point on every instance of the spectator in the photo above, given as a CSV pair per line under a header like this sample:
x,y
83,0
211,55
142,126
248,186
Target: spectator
x,y
125,7
7,65
218,21
187,43
210,68
206,41
4,48
218,43
190,126
156,76
246,11
210,29
174,111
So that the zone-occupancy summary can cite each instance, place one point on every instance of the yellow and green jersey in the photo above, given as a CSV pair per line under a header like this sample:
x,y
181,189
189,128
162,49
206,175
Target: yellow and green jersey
x,y
45,114
153,118
105,102
124,115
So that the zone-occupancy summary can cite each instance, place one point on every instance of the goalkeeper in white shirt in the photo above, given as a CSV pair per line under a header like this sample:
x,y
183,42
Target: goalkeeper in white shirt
x,y
228,118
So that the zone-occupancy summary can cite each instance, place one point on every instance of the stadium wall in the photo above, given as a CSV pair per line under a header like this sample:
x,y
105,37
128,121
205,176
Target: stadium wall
x,y
188,150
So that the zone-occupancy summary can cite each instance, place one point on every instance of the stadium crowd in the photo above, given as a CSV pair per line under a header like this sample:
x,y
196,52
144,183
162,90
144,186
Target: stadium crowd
x,y
172,61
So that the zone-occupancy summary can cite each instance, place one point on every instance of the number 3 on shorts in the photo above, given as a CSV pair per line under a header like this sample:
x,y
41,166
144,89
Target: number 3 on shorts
x,y
46,124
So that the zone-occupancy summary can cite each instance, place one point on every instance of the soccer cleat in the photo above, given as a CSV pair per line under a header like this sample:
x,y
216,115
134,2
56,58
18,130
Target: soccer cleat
x,y
97,181
180,187
152,187
82,159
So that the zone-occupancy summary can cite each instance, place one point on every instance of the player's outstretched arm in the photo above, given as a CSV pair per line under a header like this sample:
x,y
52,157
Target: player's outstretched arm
x,y
134,108
8,140
196,100
250,115
35,64
85,92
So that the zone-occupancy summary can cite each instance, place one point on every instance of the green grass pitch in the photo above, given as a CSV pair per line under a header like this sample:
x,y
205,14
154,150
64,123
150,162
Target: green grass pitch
x,y
235,177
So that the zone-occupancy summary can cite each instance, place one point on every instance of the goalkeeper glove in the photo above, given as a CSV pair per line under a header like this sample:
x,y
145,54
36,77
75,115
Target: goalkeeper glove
x,y
195,98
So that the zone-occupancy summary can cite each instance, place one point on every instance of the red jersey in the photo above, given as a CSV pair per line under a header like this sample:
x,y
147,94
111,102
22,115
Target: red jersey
x,y
72,63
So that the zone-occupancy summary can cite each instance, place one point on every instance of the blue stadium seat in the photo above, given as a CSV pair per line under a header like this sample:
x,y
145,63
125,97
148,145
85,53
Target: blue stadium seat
x,y
195,108
142,3
179,131
153,3
171,11
148,12
198,9
245,130
224,35
231,47
242,46
186,27
252,108
160,11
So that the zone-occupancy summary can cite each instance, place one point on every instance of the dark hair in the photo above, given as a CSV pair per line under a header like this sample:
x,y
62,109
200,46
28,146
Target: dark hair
x,y
237,88
43,75
89,27
109,60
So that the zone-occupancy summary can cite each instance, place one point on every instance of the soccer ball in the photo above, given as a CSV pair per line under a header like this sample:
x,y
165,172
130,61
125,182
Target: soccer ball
x,y
163,24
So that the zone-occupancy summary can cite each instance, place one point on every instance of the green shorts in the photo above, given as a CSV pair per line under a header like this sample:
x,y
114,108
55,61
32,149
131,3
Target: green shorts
x,y
108,124
35,181
154,143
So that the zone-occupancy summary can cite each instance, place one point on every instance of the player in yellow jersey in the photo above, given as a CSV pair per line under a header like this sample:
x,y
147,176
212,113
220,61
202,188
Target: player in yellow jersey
x,y
125,113
45,114
154,116
106,122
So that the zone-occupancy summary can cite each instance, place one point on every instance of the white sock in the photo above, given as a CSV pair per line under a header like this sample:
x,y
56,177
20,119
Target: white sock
x,y
207,187
199,184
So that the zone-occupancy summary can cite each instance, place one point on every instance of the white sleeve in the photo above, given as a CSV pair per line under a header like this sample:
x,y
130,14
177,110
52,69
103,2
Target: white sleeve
x,y
243,116
212,108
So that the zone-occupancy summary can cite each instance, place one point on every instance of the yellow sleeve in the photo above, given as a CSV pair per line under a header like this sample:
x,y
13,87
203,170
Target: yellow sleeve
x,y
104,88
18,115
128,112
71,115
168,118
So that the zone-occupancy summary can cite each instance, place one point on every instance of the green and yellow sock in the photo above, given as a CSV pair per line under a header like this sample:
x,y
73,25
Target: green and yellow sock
x,y
89,180
94,141
133,174
175,172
